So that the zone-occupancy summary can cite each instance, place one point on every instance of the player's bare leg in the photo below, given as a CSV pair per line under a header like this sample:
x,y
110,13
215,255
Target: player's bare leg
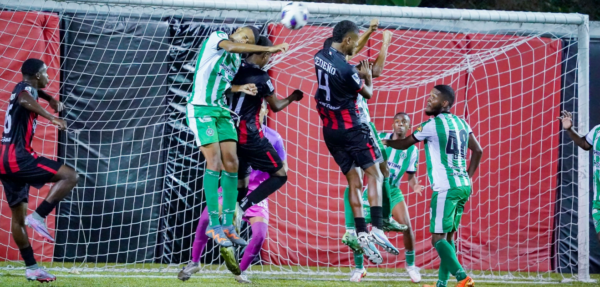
x,y
19,233
64,180
375,181
400,214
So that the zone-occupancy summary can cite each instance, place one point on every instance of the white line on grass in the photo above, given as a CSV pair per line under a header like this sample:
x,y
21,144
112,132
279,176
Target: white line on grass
x,y
283,278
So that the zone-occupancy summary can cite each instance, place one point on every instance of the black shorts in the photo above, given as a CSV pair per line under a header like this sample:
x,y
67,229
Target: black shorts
x,y
259,155
36,173
352,148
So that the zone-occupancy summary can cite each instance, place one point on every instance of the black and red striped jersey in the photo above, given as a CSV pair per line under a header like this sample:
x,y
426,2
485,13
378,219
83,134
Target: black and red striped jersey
x,y
246,108
338,88
19,128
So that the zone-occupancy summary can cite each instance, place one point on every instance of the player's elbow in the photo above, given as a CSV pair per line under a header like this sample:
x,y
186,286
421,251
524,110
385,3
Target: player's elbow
x,y
376,72
477,151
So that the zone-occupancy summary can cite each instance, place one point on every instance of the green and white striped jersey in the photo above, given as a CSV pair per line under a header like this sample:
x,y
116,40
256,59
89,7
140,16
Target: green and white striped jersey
x,y
400,161
215,70
593,138
363,108
446,140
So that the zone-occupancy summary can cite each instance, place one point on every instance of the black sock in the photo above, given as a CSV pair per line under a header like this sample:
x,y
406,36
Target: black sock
x,y
45,208
360,224
377,217
27,254
263,191
242,192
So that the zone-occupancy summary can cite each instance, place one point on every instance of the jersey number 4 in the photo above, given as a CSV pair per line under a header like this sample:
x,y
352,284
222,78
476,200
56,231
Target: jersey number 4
x,y
324,85
453,147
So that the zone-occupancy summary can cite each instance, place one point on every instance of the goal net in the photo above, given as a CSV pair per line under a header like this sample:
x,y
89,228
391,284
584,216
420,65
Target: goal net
x,y
124,72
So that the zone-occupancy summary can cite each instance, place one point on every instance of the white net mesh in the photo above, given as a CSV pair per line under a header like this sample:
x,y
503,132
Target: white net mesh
x,y
124,73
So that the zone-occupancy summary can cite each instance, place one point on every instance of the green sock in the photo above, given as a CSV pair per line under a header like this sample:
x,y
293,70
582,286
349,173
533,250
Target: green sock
x,y
211,192
444,274
229,183
449,260
441,284
386,209
358,260
410,258
348,214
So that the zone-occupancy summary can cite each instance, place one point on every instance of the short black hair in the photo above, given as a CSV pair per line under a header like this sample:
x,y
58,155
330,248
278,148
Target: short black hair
x,y
447,92
342,28
262,41
32,66
401,114
327,43
256,33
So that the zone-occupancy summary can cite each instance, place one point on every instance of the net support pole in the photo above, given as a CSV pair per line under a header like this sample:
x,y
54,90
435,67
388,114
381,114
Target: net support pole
x,y
583,119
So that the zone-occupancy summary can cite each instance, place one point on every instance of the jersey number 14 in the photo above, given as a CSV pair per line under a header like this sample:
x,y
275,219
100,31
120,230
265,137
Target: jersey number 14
x,y
324,85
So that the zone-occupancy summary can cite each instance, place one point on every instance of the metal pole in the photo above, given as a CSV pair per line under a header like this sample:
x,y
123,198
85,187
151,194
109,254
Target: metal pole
x,y
583,168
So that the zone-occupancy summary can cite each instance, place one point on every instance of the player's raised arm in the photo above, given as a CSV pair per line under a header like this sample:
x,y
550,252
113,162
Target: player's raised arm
x,y
476,154
364,38
280,104
380,60
244,40
567,123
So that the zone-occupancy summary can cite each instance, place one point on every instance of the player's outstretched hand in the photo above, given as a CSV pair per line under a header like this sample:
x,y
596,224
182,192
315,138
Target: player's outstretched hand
x,y
567,120
418,189
387,37
57,106
249,89
60,123
374,24
365,69
279,48
297,95
385,142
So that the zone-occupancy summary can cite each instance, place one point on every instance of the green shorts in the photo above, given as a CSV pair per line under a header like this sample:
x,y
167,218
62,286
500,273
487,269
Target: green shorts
x,y
210,124
378,141
394,198
596,214
447,208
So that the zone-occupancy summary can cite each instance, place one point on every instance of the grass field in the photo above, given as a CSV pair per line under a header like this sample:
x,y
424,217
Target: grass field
x,y
208,277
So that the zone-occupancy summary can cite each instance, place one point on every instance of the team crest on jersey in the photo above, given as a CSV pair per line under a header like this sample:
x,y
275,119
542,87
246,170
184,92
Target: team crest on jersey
x,y
403,155
356,78
210,132
271,88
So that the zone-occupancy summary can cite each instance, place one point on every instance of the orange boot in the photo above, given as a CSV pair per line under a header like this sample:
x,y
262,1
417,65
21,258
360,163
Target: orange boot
x,y
467,282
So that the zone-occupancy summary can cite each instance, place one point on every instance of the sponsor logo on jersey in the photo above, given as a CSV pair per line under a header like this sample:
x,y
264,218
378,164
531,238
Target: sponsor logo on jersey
x,y
356,78
327,105
210,132
205,119
420,129
271,88
6,140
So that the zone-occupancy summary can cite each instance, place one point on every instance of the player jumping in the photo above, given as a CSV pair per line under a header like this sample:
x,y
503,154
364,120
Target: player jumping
x,y
21,166
257,215
591,141
399,162
210,121
347,136
254,150
446,139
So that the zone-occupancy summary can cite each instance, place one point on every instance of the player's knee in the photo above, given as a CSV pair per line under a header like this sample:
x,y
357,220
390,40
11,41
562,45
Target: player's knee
x,y
281,172
230,164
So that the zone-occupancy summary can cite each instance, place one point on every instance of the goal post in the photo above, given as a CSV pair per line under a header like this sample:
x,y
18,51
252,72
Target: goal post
x,y
124,69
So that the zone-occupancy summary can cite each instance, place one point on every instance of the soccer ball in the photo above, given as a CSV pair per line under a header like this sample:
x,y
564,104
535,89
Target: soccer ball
x,y
294,16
